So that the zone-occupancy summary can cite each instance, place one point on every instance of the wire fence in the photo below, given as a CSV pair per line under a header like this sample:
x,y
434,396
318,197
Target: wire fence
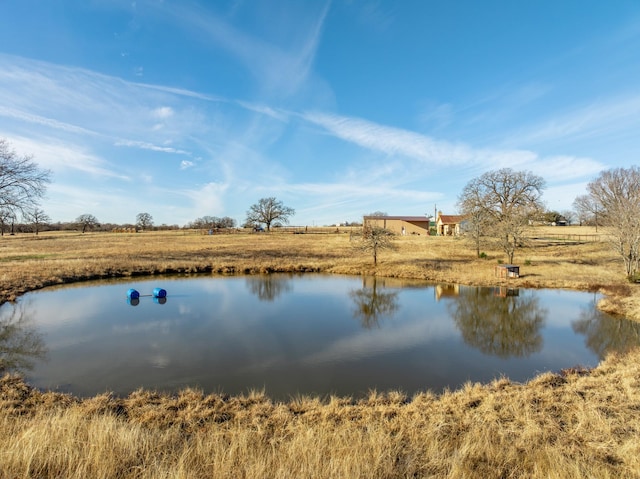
x,y
568,238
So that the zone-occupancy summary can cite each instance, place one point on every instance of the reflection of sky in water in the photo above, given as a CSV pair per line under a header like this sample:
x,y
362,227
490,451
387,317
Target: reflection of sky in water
x,y
289,334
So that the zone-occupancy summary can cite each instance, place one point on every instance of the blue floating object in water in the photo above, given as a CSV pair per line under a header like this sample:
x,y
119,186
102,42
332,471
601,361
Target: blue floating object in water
x,y
133,301
133,294
159,293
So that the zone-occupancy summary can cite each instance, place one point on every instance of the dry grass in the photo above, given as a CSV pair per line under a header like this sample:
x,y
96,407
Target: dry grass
x,y
573,424
567,425
32,262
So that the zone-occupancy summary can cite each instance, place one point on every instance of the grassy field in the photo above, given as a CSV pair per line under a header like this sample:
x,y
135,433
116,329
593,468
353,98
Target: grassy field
x,y
571,424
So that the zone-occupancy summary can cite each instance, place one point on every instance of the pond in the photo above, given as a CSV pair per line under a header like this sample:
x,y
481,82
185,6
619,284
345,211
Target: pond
x,y
299,334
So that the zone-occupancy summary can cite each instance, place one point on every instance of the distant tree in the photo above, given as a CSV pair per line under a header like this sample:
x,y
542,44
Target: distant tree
x,y
144,221
475,227
373,240
269,211
87,221
615,194
378,213
227,222
213,222
207,222
506,199
586,209
569,216
551,217
7,217
37,217
22,182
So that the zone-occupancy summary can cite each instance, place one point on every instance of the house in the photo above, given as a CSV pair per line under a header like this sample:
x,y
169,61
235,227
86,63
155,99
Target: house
x,y
448,225
400,225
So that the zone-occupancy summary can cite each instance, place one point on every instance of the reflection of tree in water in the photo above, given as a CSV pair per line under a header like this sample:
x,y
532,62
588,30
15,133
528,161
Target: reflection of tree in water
x,y
268,287
500,326
373,305
605,334
20,344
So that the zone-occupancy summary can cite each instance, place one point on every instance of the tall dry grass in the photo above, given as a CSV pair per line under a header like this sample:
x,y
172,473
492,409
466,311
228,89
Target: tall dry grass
x,y
572,425
566,425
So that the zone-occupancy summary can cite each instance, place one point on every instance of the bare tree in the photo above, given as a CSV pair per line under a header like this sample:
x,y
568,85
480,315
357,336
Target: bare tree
x,y
586,209
569,216
616,195
374,239
144,221
506,200
7,216
87,221
475,227
22,182
37,217
226,222
213,222
269,211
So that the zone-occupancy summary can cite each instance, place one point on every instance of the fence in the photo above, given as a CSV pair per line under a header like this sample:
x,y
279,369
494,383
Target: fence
x,y
568,238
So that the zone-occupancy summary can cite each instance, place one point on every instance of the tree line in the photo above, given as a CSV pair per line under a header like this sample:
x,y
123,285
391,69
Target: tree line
x,y
498,206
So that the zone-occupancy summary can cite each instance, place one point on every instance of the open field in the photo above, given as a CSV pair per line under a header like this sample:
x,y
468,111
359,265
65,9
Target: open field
x,y
571,424
555,259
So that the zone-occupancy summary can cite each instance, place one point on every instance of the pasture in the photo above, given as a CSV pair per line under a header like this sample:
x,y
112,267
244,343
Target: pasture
x,y
573,423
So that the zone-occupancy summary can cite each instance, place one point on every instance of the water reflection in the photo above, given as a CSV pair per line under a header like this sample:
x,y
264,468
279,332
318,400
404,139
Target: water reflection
x,y
371,305
604,333
268,287
336,335
20,343
504,325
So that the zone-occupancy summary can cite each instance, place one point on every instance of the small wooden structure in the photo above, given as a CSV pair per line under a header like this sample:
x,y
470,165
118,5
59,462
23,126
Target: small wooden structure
x,y
507,271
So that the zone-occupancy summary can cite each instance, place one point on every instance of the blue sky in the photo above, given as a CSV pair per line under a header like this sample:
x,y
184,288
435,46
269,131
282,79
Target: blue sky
x,y
338,108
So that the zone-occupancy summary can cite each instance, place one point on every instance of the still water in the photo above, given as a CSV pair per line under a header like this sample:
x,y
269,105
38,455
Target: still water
x,y
299,334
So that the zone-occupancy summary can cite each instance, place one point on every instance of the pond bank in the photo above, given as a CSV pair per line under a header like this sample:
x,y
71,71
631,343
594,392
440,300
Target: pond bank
x,y
570,424
31,262
573,424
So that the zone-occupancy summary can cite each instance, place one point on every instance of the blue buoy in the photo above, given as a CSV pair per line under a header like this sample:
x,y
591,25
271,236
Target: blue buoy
x,y
133,301
159,293
133,294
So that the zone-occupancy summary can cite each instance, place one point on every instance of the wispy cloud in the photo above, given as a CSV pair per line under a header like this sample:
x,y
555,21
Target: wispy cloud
x,y
277,69
397,142
604,117
149,146
207,200
391,140
57,156
43,121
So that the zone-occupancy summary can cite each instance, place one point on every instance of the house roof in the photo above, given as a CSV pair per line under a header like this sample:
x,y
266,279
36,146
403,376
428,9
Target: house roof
x,y
450,219
403,218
